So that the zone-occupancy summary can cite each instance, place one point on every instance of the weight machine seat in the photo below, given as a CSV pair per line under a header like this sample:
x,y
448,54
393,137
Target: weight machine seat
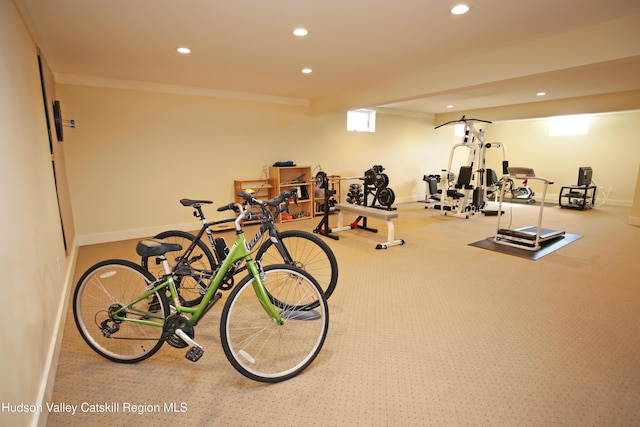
x,y
432,182
464,178
454,194
462,183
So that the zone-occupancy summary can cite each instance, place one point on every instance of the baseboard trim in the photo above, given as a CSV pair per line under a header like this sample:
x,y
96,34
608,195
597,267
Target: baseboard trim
x,y
48,379
138,233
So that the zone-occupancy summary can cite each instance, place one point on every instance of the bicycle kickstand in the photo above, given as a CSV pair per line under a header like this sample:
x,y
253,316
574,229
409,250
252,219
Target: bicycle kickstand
x,y
196,351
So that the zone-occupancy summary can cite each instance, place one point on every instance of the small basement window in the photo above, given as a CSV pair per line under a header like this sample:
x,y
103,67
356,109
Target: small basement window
x,y
569,125
361,120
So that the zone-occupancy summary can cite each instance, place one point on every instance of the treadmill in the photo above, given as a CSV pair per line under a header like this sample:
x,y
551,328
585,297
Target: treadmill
x,y
531,237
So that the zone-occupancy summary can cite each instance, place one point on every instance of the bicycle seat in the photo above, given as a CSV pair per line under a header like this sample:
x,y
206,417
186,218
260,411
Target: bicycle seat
x,y
191,202
155,247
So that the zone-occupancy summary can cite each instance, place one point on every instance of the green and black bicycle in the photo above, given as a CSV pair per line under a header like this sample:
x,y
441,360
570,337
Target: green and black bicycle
x,y
273,324
196,264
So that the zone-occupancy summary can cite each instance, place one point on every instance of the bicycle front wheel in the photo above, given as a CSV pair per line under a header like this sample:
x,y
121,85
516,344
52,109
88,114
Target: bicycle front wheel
x,y
303,250
263,350
108,287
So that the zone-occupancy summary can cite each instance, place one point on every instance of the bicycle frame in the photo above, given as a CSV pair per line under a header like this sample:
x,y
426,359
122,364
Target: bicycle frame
x,y
267,225
239,251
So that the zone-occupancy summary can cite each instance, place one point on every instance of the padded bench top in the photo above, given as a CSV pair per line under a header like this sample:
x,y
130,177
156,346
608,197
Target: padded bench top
x,y
367,211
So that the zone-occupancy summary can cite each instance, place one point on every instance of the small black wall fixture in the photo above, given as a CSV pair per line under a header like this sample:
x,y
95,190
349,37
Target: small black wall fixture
x,y
57,117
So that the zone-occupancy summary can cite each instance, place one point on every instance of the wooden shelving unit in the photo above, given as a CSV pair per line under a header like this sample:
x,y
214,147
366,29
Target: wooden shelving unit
x,y
288,177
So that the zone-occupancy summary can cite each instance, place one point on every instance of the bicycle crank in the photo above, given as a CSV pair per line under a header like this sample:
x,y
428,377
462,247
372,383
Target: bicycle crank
x,y
172,324
196,351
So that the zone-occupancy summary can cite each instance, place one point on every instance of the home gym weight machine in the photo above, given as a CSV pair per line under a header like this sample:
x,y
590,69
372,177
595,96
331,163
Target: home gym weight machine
x,y
468,194
376,187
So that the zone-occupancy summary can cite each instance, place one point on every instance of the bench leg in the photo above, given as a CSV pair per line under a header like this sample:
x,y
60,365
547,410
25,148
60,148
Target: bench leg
x,y
341,226
390,237
391,241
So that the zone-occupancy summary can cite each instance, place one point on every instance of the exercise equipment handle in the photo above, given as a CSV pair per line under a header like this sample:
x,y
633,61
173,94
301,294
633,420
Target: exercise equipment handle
x,y
463,120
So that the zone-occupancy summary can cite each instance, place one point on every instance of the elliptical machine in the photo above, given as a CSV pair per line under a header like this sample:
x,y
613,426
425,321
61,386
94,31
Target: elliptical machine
x,y
523,193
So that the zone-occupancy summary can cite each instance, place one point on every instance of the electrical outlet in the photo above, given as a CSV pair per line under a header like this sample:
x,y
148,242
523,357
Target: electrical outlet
x,y
610,190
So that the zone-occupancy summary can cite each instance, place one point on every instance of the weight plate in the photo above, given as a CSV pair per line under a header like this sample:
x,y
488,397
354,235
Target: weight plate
x,y
321,180
382,181
386,197
370,177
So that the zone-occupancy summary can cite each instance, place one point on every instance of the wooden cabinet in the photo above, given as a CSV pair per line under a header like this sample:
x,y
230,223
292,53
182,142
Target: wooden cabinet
x,y
289,177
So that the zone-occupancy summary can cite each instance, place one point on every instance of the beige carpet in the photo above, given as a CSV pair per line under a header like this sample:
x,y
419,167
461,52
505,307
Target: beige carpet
x,y
435,332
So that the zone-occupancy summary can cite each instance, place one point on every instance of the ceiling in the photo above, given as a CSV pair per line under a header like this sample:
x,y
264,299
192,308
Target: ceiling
x,y
410,55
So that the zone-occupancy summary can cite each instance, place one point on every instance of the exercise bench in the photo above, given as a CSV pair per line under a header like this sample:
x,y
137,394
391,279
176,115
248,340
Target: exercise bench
x,y
363,213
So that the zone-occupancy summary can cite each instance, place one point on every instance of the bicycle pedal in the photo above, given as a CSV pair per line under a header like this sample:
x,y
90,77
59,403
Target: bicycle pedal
x,y
194,353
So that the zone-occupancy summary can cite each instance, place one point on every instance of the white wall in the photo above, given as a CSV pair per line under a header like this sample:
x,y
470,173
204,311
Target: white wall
x,y
610,148
134,154
33,261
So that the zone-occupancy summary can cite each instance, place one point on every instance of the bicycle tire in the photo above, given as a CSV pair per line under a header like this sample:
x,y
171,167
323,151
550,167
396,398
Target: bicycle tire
x,y
192,277
261,349
116,283
308,252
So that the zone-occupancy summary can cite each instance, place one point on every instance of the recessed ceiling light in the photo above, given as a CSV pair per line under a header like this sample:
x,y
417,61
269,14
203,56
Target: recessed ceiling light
x,y
184,50
300,32
541,93
306,71
460,9
449,106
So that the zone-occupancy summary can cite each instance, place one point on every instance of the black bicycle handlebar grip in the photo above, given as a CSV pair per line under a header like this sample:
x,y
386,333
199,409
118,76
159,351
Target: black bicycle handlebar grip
x,y
248,197
275,201
230,206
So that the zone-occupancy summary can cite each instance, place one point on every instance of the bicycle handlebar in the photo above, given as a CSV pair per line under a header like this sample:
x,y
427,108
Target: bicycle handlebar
x,y
285,196
275,202
236,207
229,207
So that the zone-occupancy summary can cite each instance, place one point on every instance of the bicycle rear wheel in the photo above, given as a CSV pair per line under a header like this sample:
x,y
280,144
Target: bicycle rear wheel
x,y
193,270
261,349
106,287
306,251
